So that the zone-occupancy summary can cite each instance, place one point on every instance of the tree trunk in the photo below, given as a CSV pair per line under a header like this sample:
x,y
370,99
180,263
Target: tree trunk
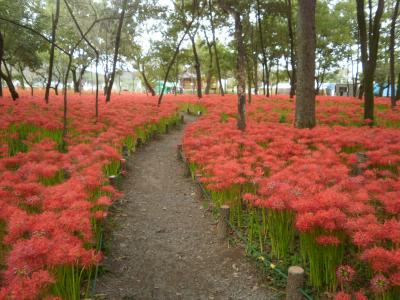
x,y
210,65
391,51
267,77
196,67
240,64
263,52
1,59
306,40
240,72
65,110
249,80
75,80
173,61
7,78
214,43
54,22
293,77
277,77
398,88
116,50
361,92
30,84
369,52
56,87
1,84
146,82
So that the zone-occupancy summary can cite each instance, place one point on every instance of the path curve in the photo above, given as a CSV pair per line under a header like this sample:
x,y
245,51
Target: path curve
x,y
164,243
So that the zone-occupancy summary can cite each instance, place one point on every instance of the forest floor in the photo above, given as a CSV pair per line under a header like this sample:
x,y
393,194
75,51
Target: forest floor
x,y
162,242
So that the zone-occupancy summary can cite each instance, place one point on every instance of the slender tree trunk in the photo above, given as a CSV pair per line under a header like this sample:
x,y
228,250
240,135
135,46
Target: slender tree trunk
x,y
263,77
75,80
391,51
26,80
172,62
398,88
293,76
263,52
65,110
116,51
240,64
54,22
277,77
306,40
196,67
267,76
7,78
369,52
1,83
146,82
214,43
240,72
210,65
1,59
249,80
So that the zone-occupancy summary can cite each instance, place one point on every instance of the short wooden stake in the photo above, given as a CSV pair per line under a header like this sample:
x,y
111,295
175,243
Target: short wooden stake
x,y
139,142
295,282
125,151
179,152
113,180
222,226
123,166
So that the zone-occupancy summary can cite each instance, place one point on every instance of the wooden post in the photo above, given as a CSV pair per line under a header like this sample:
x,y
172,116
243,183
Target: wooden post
x,y
113,180
182,119
295,281
179,152
125,151
222,226
123,166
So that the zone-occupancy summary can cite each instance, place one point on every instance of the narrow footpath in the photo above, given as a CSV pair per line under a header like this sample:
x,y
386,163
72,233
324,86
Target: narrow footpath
x,y
163,242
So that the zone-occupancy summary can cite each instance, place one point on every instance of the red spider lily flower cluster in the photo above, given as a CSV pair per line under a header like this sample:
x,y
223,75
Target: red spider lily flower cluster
x,y
340,180
50,199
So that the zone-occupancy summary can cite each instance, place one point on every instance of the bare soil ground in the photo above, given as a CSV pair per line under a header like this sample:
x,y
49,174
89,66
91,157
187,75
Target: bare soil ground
x,y
163,242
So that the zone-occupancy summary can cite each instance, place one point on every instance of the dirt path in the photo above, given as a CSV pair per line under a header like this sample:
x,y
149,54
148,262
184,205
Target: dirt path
x,y
164,244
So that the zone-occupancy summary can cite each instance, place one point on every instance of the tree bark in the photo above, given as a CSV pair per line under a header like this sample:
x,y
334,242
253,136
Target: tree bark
x,y
214,43
391,51
398,88
116,51
54,22
277,77
196,66
7,78
263,52
173,61
210,65
369,52
240,72
240,64
146,82
306,41
75,80
293,76
1,59
30,84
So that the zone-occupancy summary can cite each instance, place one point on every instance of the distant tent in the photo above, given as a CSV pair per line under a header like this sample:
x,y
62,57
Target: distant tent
x,y
168,87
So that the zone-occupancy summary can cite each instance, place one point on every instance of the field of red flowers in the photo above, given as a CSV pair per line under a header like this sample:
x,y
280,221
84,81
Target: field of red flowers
x,y
326,198
54,195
